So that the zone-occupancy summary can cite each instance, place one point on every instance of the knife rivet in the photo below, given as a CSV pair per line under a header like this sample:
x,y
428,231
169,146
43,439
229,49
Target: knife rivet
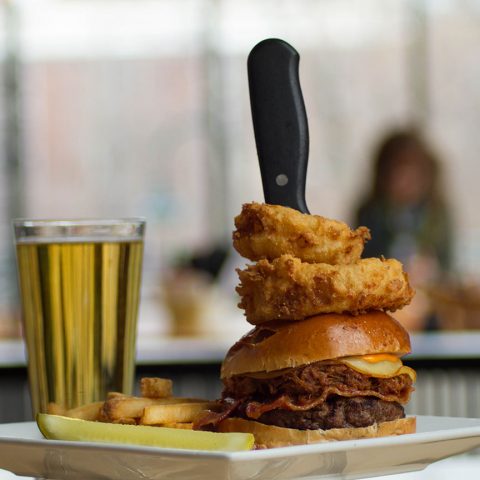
x,y
281,180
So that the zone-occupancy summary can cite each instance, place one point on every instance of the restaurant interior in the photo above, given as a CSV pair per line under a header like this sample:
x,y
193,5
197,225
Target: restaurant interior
x,y
140,108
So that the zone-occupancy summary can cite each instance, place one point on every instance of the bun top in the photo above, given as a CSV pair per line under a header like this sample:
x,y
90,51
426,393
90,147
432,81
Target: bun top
x,y
276,345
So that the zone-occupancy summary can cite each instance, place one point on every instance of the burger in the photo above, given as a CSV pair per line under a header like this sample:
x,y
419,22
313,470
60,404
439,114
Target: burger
x,y
328,377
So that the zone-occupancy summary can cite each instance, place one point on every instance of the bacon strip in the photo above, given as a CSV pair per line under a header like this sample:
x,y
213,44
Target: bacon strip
x,y
256,409
318,380
210,419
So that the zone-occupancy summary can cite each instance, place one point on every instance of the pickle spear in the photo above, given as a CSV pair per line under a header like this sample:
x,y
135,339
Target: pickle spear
x,y
56,427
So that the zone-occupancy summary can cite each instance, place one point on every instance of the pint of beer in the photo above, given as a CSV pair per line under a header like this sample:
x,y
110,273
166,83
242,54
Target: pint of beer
x,y
79,284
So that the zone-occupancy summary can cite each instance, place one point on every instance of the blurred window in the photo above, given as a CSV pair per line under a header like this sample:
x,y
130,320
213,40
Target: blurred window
x,y
454,115
140,107
113,106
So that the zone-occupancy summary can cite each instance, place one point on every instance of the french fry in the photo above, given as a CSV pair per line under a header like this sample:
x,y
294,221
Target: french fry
x,y
119,407
172,413
55,409
155,387
115,394
90,411
157,407
183,426
125,421
132,407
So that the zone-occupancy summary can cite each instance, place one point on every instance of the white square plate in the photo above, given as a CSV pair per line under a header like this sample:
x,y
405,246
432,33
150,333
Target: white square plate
x,y
24,451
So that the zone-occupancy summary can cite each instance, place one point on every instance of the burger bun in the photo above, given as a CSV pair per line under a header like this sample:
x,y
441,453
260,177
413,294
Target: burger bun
x,y
269,436
278,345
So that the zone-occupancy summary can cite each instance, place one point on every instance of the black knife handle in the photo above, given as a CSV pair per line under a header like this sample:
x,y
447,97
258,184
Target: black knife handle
x,y
279,122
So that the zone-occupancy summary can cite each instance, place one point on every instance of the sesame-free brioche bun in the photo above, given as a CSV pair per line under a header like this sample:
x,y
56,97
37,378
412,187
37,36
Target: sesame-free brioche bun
x,y
277,345
269,436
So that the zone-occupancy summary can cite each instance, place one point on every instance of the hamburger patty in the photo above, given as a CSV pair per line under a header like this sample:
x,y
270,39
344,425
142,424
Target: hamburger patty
x,y
318,380
321,395
336,412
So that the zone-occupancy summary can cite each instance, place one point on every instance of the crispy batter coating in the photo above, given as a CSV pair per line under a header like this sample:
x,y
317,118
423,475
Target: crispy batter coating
x,y
269,231
288,289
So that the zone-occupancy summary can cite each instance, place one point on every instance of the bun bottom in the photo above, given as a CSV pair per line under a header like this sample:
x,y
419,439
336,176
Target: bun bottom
x,y
270,436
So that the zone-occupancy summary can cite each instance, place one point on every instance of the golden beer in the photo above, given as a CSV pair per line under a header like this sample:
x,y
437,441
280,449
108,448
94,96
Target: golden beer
x,y
80,302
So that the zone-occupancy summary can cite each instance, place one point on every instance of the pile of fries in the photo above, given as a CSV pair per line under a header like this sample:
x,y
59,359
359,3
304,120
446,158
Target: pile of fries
x,y
156,407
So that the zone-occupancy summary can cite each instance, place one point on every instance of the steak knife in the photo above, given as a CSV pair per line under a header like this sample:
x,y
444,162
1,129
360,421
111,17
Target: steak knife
x,y
279,122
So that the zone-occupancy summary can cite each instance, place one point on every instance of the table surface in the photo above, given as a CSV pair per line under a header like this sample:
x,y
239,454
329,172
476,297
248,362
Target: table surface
x,y
177,350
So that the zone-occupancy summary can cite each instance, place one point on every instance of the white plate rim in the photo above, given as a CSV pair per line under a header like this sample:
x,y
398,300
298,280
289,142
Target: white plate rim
x,y
462,432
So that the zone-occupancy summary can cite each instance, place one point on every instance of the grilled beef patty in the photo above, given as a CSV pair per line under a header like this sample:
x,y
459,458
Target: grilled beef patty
x,y
321,395
336,412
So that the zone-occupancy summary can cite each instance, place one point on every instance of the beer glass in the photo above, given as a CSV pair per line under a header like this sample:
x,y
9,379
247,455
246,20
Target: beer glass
x,y
79,284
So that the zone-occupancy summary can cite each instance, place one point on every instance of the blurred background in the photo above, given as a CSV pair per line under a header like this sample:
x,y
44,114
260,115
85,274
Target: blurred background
x,y
116,108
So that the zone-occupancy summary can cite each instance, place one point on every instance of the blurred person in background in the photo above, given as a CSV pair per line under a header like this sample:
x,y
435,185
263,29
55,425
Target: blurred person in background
x,y
408,217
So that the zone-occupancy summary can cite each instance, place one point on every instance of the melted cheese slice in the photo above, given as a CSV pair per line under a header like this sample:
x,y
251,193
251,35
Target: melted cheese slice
x,y
379,365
